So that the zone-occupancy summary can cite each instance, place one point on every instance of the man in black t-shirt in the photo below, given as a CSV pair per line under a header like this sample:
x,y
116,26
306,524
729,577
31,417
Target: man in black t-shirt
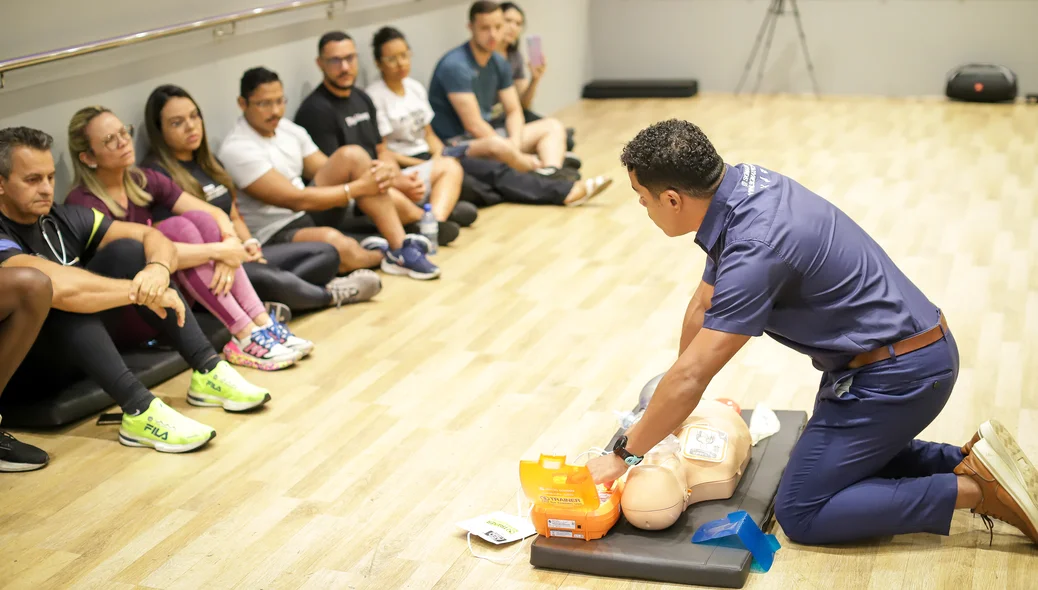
x,y
338,114
100,266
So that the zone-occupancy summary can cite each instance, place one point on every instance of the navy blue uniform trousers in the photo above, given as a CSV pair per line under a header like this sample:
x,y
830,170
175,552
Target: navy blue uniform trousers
x,y
857,471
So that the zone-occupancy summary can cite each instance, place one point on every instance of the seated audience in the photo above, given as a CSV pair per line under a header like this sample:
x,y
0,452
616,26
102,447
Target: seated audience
x,y
336,114
404,120
511,35
300,275
209,253
97,267
25,295
466,84
268,156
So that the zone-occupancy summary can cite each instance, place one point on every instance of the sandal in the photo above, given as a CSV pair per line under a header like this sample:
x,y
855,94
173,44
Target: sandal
x,y
592,187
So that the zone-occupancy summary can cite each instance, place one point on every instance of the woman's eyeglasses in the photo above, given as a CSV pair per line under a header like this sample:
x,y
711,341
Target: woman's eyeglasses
x,y
112,141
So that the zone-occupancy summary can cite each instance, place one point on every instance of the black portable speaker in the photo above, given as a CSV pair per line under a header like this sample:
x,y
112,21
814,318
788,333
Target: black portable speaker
x,y
981,83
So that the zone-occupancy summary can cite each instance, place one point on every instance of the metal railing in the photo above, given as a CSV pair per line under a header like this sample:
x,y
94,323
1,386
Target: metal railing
x,y
167,31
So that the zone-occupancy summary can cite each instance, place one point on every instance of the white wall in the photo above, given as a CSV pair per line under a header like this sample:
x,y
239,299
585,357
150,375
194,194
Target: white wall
x,y
46,96
878,47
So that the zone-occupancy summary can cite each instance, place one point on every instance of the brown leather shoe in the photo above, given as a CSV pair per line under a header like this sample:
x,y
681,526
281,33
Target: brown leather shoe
x,y
966,448
1004,445
1005,497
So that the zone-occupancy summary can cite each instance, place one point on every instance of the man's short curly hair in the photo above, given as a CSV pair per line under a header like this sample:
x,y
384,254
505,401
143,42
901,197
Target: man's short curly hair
x,y
675,155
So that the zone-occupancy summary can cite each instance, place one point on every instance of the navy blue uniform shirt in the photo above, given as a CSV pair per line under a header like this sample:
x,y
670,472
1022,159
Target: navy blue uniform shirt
x,y
786,262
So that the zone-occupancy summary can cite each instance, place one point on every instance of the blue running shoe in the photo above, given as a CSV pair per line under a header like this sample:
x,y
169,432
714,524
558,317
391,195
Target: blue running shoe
x,y
409,261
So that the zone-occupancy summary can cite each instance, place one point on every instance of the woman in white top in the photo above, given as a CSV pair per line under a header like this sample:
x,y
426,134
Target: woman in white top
x,y
404,116
404,120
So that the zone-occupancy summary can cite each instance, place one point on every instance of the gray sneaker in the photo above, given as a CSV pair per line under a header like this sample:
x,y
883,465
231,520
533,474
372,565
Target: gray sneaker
x,y
359,285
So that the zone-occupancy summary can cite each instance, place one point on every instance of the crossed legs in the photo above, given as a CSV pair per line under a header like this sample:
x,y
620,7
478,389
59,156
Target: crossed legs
x,y
350,163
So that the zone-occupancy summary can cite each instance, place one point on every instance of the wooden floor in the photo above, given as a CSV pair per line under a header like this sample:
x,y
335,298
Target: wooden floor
x,y
415,409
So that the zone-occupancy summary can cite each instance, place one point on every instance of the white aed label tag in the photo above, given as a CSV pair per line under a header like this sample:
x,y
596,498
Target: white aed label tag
x,y
702,443
499,527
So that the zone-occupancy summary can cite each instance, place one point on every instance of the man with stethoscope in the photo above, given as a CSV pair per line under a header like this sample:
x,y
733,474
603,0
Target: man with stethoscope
x,y
98,266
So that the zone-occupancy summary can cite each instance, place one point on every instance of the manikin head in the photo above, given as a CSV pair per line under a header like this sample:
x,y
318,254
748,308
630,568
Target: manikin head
x,y
392,54
675,171
486,23
337,59
262,100
26,174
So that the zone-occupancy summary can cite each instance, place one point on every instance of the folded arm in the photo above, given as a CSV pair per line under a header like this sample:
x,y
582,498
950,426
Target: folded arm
x,y
76,290
514,117
274,189
467,108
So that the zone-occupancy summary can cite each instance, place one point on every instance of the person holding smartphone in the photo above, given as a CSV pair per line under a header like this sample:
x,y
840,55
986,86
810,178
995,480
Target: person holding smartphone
x,y
466,83
515,22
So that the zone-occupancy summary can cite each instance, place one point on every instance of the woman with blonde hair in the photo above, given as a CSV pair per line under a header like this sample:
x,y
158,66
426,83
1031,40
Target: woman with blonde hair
x,y
209,253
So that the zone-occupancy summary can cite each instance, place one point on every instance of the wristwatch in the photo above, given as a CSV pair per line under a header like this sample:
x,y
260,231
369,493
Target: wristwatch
x,y
620,450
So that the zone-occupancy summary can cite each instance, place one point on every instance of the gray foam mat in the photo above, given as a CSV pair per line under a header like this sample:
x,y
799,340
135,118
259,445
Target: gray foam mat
x,y
669,555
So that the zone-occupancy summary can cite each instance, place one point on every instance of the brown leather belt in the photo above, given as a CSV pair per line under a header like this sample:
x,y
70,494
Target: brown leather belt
x,y
913,343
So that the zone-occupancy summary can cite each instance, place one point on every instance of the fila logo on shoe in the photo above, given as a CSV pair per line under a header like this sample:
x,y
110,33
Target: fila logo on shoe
x,y
163,434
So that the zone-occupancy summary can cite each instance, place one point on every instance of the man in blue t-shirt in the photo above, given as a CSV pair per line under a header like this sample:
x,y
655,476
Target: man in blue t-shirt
x,y
783,261
466,84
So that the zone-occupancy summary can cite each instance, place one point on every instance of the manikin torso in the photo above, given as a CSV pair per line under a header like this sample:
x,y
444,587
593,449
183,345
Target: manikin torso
x,y
713,454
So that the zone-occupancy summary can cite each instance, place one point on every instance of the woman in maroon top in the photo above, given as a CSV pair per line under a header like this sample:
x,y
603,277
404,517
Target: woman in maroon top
x,y
209,252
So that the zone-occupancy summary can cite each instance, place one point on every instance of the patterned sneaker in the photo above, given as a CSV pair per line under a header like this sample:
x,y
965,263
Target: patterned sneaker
x,y
359,285
223,386
290,340
164,429
410,261
18,456
261,351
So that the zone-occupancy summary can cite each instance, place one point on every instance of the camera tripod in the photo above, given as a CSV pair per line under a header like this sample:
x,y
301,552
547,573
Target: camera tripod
x,y
775,10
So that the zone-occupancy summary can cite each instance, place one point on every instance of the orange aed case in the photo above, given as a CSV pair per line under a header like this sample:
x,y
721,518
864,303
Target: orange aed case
x,y
566,502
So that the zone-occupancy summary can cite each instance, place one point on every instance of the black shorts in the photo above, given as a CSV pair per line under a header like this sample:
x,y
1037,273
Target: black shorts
x,y
286,234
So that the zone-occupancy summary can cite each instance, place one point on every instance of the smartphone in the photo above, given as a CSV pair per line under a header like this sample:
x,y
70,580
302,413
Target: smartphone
x,y
533,47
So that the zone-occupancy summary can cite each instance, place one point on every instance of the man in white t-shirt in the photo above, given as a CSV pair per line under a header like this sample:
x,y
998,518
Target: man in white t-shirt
x,y
268,158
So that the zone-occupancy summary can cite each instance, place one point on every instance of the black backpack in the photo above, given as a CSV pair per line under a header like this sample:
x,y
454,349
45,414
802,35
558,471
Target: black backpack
x,y
981,83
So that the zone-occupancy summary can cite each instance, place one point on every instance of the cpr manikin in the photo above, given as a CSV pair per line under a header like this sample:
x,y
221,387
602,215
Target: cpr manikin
x,y
703,460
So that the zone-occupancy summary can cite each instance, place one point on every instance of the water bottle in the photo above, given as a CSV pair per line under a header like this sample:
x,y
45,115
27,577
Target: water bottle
x,y
430,228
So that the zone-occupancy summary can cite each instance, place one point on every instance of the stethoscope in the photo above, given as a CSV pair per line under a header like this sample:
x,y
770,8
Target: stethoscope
x,y
64,261
61,241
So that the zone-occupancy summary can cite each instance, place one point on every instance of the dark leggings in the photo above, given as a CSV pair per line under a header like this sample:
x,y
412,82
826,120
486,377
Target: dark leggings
x,y
295,274
70,342
489,182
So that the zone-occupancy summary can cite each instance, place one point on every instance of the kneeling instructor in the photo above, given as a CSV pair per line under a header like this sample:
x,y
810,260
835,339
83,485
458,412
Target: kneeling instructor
x,y
784,261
